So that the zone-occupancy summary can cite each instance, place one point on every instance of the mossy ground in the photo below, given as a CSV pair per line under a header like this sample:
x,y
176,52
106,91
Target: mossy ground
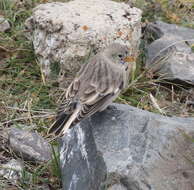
x,y
25,100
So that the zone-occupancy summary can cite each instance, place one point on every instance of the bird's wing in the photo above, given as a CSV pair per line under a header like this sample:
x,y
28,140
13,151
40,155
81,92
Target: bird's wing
x,y
99,81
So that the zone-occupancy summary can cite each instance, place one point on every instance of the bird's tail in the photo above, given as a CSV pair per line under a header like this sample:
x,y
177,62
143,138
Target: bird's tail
x,y
58,125
65,119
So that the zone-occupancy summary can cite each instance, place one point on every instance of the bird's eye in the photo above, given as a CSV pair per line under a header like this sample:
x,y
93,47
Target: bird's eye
x,y
120,55
122,62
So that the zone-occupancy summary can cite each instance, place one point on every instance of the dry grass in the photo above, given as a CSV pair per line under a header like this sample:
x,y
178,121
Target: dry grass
x,y
25,101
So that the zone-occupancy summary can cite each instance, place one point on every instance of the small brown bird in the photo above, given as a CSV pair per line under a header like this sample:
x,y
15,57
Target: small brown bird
x,y
97,84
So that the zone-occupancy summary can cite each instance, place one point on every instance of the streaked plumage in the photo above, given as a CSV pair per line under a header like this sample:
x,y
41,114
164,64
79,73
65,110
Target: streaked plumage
x,y
97,84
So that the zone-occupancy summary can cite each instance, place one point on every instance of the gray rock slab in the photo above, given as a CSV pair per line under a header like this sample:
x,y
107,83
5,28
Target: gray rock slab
x,y
29,145
170,55
79,153
12,170
4,24
65,35
134,148
162,28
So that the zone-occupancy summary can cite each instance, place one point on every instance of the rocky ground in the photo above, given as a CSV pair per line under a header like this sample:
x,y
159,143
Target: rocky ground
x,y
162,82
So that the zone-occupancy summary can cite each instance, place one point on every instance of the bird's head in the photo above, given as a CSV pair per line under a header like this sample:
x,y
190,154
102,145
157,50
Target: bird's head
x,y
117,53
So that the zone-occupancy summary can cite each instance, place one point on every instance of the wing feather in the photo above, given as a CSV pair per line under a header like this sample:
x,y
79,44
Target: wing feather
x,y
104,84
88,110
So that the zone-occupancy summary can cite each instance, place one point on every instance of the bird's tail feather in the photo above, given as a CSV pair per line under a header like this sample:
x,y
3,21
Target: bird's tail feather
x,y
72,120
58,125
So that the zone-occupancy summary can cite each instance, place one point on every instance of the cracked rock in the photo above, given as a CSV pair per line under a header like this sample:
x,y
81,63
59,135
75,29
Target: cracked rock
x,y
29,145
66,34
130,148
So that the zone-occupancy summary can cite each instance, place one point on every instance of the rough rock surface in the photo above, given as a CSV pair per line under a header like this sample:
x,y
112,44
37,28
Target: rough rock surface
x,y
12,170
68,33
134,148
170,55
117,187
4,24
29,145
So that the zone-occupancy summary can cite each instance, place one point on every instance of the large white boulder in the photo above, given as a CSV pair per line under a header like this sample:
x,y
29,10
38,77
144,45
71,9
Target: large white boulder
x,y
68,33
